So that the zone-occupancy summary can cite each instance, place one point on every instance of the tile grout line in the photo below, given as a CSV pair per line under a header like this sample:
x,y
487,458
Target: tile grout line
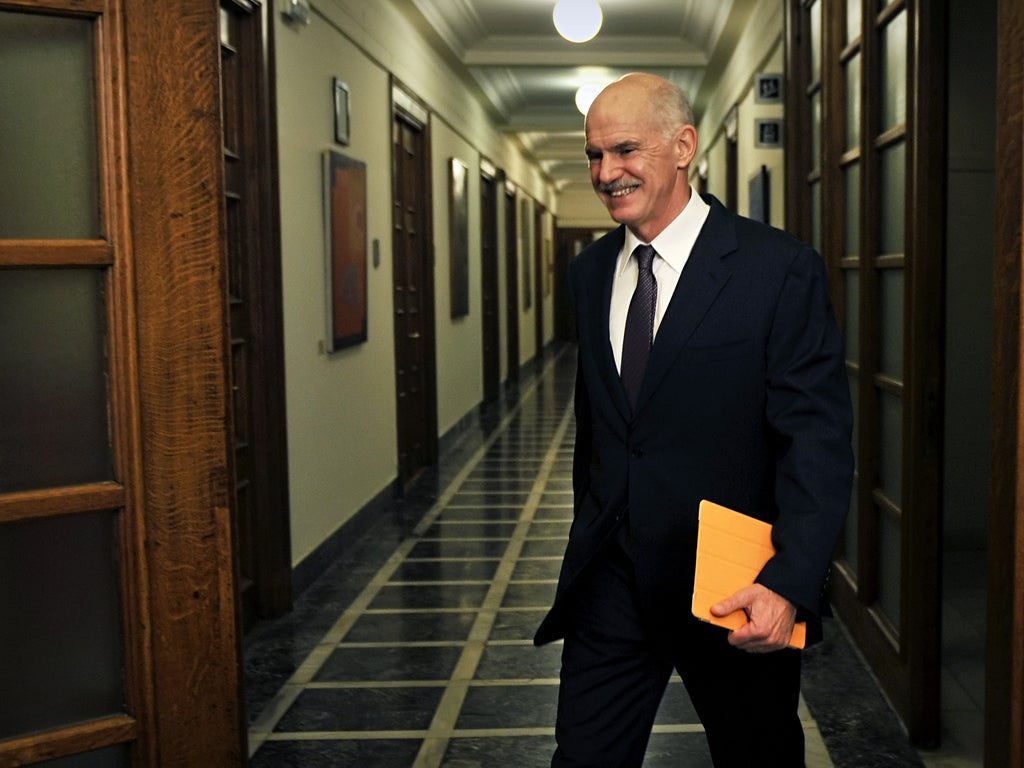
x,y
275,709
434,746
454,733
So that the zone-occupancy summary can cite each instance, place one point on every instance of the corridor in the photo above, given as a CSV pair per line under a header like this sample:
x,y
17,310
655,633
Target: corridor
x,y
413,650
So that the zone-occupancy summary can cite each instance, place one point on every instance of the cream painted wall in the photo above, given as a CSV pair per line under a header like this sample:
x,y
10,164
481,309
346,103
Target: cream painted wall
x,y
548,266
750,158
715,156
459,346
333,401
527,280
760,50
758,44
579,206
342,443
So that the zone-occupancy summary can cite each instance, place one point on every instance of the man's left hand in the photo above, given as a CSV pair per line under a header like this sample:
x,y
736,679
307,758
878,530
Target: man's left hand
x,y
770,619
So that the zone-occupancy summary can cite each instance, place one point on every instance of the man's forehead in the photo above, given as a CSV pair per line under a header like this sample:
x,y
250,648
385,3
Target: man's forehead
x,y
627,130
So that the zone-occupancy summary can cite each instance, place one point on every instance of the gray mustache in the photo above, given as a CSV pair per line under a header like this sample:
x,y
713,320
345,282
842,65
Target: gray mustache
x,y
614,186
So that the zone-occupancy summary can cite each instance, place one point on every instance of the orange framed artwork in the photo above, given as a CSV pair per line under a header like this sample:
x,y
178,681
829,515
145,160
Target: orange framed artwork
x,y
345,242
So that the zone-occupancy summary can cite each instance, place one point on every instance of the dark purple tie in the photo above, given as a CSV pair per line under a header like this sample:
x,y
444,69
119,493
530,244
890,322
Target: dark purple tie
x,y
639,334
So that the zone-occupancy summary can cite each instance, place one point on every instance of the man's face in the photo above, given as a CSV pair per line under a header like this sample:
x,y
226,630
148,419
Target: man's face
x,y
637,170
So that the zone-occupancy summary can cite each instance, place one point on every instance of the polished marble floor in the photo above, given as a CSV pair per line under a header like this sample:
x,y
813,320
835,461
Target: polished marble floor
x,y
413,649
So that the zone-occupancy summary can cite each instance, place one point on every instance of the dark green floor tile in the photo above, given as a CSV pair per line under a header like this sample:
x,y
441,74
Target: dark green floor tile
x,y
414,663
362,709
379,753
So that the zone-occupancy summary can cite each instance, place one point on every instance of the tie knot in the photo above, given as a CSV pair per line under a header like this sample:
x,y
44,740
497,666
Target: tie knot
x,y
644,256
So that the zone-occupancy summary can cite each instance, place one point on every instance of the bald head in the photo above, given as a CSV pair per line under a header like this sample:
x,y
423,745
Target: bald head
x,y
655,100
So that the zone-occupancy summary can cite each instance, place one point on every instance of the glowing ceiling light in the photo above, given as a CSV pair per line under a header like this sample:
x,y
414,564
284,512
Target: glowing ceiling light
x,y
577,20
585,96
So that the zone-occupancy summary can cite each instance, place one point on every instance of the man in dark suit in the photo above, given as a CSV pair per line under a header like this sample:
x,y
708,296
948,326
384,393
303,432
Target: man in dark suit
x,y
734,392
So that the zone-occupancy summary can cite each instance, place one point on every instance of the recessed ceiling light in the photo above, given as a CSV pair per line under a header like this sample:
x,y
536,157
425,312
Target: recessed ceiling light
x,y
585,96
577,20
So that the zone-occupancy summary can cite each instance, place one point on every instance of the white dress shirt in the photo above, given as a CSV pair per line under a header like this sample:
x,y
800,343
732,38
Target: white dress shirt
x,y
673,246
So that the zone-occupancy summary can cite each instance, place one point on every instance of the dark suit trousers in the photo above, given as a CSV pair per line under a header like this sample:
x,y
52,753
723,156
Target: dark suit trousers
x,y
616,663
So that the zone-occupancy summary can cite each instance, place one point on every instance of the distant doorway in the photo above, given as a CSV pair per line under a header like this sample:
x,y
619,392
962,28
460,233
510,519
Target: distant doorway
x,y
254,298
413,278
512,284
489,299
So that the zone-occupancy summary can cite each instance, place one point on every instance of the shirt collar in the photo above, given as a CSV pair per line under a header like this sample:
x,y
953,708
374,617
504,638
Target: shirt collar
x,y
674,242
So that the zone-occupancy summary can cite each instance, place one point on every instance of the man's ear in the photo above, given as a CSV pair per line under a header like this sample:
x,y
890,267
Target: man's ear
x,y
685,146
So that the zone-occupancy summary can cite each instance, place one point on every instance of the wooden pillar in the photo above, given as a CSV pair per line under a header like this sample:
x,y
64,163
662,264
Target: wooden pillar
x,y
1004,698
174,198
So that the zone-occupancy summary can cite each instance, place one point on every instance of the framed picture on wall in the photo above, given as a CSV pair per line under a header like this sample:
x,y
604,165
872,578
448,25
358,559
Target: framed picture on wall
x,y
760,196
549,266
768,88
768,133
524,245
341,116
345,246
458,221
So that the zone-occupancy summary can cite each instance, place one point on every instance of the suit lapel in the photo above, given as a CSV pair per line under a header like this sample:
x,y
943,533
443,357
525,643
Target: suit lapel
x,y
702,279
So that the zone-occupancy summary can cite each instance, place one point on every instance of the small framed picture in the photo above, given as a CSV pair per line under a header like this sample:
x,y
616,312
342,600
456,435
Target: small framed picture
x,y
768,88
768,133
340,112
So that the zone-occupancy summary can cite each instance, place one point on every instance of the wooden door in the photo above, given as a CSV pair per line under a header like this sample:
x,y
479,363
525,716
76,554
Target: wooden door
x,y
416,378
118,608
489,285
568,244
512,282
254,300
1004,662
872,106
732,173
539,278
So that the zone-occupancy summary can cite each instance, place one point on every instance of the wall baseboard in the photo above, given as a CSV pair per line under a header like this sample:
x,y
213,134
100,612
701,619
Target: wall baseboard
x,y
397,511
343,541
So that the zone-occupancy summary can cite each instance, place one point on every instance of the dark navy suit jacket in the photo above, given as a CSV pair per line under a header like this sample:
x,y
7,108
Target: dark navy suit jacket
x,y
745,403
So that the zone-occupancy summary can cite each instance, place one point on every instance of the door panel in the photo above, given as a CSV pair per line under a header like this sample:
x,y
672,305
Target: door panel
x,y
539,268
61,494
416,380
489,286
59,51
1004,658
512,283
254,302
58,683
53,384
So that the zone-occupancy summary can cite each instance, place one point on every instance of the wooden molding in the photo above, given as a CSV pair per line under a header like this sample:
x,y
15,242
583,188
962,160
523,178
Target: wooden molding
x,y
1004,661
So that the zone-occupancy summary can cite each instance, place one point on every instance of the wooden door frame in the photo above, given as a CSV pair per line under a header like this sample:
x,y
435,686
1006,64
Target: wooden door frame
x,y
540,266
274,543
175,194
271,586
406,106
1004,659
799,163
507,195
489,286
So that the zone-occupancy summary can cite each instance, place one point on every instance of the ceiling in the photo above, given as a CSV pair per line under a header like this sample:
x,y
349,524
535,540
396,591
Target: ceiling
x,y
509,50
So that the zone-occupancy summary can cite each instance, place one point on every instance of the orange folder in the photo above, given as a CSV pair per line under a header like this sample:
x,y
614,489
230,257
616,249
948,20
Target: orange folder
x,y
732,548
